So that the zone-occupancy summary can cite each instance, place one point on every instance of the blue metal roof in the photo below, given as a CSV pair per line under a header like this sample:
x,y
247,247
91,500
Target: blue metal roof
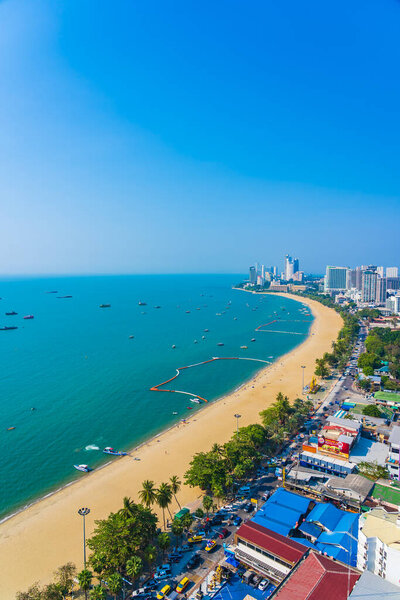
x,y
310,529
326,514
282,511
304,542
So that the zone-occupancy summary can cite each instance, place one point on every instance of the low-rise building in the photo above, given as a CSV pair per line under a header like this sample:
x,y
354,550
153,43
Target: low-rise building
x,y
318,577
379,544
267,552
354,487
370,586
394,448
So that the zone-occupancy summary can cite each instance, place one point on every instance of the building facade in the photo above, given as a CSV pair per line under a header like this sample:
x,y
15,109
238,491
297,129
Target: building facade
x,y
392,272
369,286
335,279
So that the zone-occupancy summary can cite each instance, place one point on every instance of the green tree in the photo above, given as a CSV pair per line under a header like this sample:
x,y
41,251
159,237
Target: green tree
x,y
33,593
187,521
98,593
52,591
177,528
115,583
373,470
164,542
199,512
175,484
368,371
85,580
128,509
321,370
371,410
150,554
207,503
148,493
164,499
98,562
65,578
134,567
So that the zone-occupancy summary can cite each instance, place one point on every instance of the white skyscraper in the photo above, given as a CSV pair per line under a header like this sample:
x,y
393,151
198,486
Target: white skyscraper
x,y
290,267
380,271
392,271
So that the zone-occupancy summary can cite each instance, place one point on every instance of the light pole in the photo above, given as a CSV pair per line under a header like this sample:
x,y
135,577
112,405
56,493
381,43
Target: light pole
x,y
84,512
302,369
237,423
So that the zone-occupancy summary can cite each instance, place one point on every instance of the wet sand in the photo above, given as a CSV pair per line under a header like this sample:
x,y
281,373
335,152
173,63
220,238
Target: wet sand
x,y
34,542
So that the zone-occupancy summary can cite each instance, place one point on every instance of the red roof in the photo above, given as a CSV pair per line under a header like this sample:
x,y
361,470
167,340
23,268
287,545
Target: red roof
x,y
318,577
277,544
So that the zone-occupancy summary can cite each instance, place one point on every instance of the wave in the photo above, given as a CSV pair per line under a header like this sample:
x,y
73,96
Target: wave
x,y
92,447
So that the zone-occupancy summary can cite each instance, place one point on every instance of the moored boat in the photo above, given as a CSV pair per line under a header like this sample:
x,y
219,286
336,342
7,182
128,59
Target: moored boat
x,y
83,468
114,452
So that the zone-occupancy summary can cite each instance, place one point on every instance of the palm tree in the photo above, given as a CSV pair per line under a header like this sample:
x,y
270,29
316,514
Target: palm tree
x,y
134,567
164,542
164,499
128,508
207,503
217,449
85,580
150,554
148,493
177,528
114,583
98,563
175,487
98,593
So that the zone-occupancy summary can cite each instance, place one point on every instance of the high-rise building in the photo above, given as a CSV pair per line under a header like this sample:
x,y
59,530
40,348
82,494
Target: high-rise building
x,y
335,279
380,271
369,285
274,271
252,275
392,272
393,283
291,267
351,279
295,265
380,297
359,272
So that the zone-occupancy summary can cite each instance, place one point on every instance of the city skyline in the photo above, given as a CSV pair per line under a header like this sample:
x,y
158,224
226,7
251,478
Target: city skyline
x,y
156,149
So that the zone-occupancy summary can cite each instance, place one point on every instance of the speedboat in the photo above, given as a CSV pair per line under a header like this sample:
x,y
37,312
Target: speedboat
x,y
28,317
157,306
243,347
174,413
142,303
110,450
253,339
206,330
7,328
11,313
220,344
84,468
173,346
131,337
105,305
196,400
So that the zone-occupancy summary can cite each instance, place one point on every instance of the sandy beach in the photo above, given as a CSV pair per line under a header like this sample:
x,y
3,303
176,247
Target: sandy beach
x,y
34,542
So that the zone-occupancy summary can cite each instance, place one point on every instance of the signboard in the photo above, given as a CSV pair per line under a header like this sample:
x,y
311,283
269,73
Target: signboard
x,y
341,449
253,500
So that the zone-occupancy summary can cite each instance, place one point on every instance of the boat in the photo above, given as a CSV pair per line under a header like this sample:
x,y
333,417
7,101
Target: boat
x,y
84,468
220,344
8,328
218,314
28,317
105,306
195,400
243,347
173,346
62,297
187,312
131,337
174,413
206,330
198,308
52,292
114,452
189,407
235,318
10,428
157,306
142,303
11,314
253,339
203,337
195,342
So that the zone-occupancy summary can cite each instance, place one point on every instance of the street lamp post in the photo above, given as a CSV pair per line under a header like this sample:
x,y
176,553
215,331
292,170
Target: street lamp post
x,y
84,512
302,369
237,422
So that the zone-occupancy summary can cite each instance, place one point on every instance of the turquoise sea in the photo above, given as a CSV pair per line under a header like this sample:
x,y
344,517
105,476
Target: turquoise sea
x,y
88,382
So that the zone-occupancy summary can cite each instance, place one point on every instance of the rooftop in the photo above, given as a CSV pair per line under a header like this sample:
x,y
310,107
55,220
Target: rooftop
x,y
275,543
371,586
383,525
353,482
394,437
318,577
370,451
345,423
282,511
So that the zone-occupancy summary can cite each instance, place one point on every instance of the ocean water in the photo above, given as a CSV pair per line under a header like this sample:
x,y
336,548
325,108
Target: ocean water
x,y
89,383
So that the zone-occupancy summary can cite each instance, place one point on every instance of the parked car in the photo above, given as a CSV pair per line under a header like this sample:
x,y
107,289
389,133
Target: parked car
x,y
163,592
264,583
195,539
223,533
249,507
211,544
216,520
193,561
182,585
160,575
237,520
256,581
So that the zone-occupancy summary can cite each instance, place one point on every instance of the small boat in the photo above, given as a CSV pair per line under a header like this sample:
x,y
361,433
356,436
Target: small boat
x,y
198,308
206,330
220,344
142,303
11,313
203,337
10,428
144,312
235,318
8,328
114,452
195,342
105,306
157,306
173,346
174,413
28,317
218,314
84,468
195,400
52,292
253,339
131,337
243,347
189,407
187,312
62,297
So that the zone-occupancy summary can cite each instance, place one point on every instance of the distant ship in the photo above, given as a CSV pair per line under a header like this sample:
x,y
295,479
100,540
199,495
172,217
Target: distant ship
x,y
7,328
142,303
28,317
11,313
52,292
84,468
64,297
105,306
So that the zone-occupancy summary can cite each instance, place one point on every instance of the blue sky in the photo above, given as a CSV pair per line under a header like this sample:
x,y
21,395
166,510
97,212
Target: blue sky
x,y
176,136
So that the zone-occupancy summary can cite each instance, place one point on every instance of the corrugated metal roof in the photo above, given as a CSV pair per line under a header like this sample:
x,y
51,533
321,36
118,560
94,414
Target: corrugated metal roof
x,y
371,586
317,578
273,542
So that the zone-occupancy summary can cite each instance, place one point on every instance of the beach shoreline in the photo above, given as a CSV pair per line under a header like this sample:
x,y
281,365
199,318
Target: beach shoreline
x,y
49,529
